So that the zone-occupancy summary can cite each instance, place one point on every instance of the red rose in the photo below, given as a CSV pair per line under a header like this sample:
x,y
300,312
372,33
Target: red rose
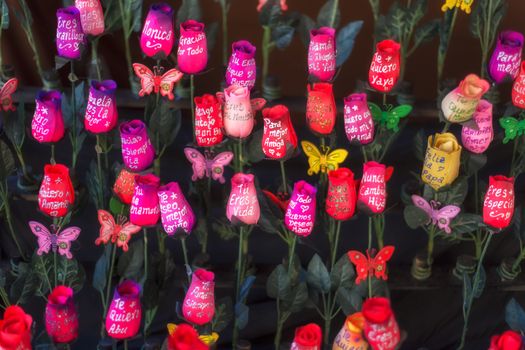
x,y
381,329
377,310
508,340
15,329
208,120
279,134
498,205
61,315
341,197
385,67
320,108
185,337
308,337
56,192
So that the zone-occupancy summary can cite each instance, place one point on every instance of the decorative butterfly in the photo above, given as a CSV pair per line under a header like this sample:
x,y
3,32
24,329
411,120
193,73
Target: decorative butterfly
x,y
118,231
5,94
513,127
60,240
204,165
280,199
323,161
441,217
390,117
156,81
366,265
207,339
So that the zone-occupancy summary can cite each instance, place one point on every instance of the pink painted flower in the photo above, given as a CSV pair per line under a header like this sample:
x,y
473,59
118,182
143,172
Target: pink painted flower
x,y
282,3
321,53
192,55
91,16
372,191
478,140
199,303
137,150
241,67
48,123
459,105
101,110
300,214
175,210
124,313
243,205
61,315
157,34
145,209
359,125
70,39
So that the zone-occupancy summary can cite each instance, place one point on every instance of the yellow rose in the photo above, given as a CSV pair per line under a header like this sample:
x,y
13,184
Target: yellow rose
x,y
442,159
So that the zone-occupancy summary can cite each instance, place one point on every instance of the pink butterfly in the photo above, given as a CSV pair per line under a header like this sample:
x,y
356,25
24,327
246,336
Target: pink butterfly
x,y
441,217
204,165
5,94
118,231
154,81
60,240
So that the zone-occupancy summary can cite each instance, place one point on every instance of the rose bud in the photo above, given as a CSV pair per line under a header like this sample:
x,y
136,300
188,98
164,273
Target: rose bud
x,y
145,209
156,39
56,192
351,335
70,39
199,303
508,340
101,110
342,193
505,60
442,160
124,186
381,329
243,205
192,55
518,88
498,205
279,134
262,3
300,214
239,111
321,53
359,125
48,124
372,191
137,150
91,16
460,104
184,337
15,329
175,211
307,337
208,120
478,140
320,108
385,67
241,67
124,313
61,316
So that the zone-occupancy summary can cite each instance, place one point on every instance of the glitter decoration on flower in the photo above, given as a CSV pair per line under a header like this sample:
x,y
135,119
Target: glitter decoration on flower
x,y
459,105
279,137
125,312
57,241
307,337
6,100
61,316
391,117
342,194
155,81
199,303
208,121
498,205
351,334
15,329
101,110
145,210
372,190
321,53
185,337
478,140
464,5
300,214
48,124
506,58
381,329
119,231
518,88
243,205
157,35
70,39
321,110
206,165
124,186
325,161
371,263
175,211
359,124
436,215
91,16
137,150
508,340
442,160
241,66
56,194
192,54
385,67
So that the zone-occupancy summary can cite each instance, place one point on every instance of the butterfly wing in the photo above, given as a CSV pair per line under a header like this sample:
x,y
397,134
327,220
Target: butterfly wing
x,y
43,235
123,237
209,338
218,164
335,158
5,94
422,203
376,111
314,157
167,81
394,116
147,78
445,215
64,239
362,264
380,260
107,227
510,125
198,163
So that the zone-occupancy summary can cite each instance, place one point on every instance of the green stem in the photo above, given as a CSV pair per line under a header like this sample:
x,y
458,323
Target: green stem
x,y
5,298
9,219
283,177
369,247
291,254
335,244
100,191
446,127
185,254
240,155
192,104
74,130
125,29
240,277
279,330
224,8
430,245
379,227
125,344
384,100
266,50
470,297
52,160
45,273
110,278
514,150
442,54
94,57
55,269
145,230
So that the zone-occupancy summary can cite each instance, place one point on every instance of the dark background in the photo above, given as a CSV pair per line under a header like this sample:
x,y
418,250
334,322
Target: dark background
x,y
430,312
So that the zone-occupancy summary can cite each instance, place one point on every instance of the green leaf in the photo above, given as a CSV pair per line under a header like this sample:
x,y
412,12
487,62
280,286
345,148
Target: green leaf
x,y
242,313
306,24
101,269
253,148
415,216
479,285
350,301
190,9
282,35
426,33
224,229
7,163
345,41
376,111
278,283
329,15
14,126
464,223
318,276
71,273
223,314
4,24
297,298
135,13
25,285
270,13
112,16
515,316
454,194
473,162
343,273
131,263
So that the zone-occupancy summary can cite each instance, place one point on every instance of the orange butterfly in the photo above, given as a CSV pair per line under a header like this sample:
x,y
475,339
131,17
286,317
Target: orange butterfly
x,y
366,265
119,232
154,81
5,94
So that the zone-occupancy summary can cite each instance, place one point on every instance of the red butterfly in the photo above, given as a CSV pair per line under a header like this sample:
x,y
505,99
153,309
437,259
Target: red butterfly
x,y
154,81
119,232
366,265
5,94
280,199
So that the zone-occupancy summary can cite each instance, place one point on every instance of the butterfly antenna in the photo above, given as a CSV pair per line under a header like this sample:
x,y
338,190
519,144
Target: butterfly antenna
x,y
158,70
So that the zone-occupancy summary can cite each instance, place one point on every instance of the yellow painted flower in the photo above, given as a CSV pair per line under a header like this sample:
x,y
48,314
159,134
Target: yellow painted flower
x,y
442,160
464,5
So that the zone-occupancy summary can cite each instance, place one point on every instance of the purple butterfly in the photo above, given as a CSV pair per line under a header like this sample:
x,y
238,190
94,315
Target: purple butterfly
x,y
60,240
204,165
441,217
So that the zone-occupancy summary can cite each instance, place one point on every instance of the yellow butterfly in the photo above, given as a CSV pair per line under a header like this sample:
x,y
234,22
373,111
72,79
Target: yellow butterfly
x,y
323,161
207,339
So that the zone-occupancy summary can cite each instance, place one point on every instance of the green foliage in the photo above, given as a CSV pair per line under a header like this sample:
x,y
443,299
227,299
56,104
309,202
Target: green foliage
x,y
164,126
4,22
345,41
189,9
515,316
97,187
329,15
318,276
486,18
349,300
131,263
415,216
462,224
102,269
14,126
342,274
7,163
224,229
453,194
223,314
